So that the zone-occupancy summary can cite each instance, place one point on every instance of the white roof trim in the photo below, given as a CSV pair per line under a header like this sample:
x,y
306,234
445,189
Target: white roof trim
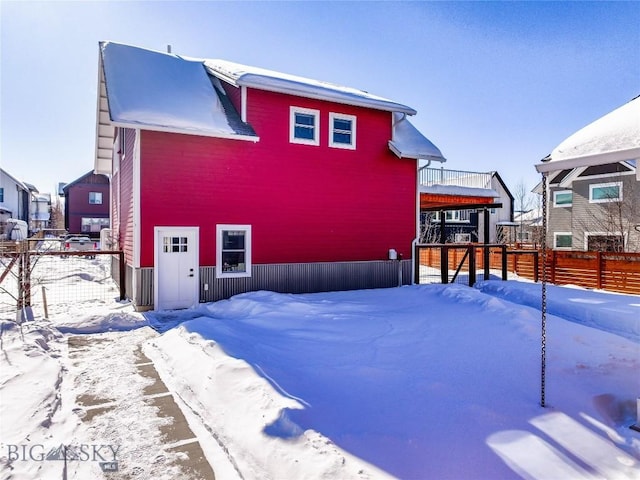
x,y
459,191
156,128
263,79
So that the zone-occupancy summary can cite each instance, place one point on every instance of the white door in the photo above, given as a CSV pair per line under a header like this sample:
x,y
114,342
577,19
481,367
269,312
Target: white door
x,y
176,278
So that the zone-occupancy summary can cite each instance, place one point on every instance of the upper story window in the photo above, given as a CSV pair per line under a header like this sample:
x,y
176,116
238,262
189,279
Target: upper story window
x,y
304,126
563,198
342,131
95,198
1,194
605,192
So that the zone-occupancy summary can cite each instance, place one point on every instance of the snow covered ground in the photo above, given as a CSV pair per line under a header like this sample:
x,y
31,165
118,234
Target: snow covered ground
x,y
419,382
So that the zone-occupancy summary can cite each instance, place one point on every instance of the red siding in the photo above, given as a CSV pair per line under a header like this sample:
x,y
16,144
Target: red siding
x,y
234,95
305,203
122,219
77,199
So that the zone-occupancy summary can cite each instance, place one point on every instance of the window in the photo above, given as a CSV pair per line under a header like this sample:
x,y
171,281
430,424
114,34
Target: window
x,y
233,250
452,216
605,243
563,198
1,194
304,126
562,240
342,131
175,244
89,225
95,198
605,192
462,237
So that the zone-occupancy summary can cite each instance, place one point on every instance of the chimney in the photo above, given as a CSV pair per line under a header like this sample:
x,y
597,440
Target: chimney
x,y
168,48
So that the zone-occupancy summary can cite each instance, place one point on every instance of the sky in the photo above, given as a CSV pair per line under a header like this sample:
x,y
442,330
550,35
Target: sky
x,y
497,85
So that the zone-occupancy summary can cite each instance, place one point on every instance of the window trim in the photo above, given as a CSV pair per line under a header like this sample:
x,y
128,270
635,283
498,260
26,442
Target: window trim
x,y
555,240
95,203
292,126
562,205
220,228
593,186
342,116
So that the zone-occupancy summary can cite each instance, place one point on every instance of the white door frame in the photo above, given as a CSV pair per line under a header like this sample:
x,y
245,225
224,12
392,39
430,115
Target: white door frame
x,y
156,262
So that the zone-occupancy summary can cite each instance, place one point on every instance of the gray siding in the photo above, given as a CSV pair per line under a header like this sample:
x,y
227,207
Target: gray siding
x,y
585,217
288,278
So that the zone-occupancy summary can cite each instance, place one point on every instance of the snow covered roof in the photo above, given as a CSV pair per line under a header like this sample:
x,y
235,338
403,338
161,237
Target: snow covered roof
x,y
162,91
263,79
612,138
408,142
142,88
459,191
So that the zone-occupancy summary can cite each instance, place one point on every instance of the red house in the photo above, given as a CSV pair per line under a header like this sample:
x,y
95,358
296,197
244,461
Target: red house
x,y
86,205
228,178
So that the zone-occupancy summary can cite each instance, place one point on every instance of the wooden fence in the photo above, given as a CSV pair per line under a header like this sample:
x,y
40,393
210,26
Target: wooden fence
x,y
616,272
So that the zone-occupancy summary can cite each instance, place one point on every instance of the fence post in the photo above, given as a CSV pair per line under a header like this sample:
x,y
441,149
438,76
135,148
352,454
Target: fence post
x,y
504,262
536,266
552,274
599,270
444,264
416,265
122,276
472,265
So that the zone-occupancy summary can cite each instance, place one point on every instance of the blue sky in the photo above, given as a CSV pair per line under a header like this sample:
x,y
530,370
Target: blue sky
x,y
497,85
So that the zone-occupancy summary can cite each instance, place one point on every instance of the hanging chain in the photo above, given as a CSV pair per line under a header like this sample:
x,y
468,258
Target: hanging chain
x,y
543,307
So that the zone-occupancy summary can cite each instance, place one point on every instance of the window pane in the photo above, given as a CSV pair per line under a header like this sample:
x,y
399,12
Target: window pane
x,y
563,198
305,119
304,132
233,262
563,241
342,138
606,193
233,240
341,124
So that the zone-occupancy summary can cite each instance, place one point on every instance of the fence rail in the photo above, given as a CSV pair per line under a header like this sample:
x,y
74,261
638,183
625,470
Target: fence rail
x,y
612,271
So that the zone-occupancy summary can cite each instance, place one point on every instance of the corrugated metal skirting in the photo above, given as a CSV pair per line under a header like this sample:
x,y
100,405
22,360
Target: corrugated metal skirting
x,y
289,278
306,278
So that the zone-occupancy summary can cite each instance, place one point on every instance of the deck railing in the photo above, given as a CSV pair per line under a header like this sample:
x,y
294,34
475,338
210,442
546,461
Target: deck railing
x,y
439,176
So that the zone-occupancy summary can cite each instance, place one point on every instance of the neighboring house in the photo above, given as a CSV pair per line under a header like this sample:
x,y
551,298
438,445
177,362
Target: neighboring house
x,y
39,209
14,199
595,208
86,205
40,214
528,230
228,178
447,193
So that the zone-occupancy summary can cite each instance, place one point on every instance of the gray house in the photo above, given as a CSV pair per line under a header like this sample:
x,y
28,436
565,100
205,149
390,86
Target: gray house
x,y
595,208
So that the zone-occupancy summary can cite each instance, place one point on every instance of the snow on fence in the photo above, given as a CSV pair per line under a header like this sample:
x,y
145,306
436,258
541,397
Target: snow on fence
x,y
44,279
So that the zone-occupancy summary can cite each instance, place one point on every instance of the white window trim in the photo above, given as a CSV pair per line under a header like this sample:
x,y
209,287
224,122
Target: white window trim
x,y
342,116
563,205
247,247
555,240
292,126
593,186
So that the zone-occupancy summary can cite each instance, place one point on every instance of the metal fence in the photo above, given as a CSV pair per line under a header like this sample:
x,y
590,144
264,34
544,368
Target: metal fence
x,y
38,279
